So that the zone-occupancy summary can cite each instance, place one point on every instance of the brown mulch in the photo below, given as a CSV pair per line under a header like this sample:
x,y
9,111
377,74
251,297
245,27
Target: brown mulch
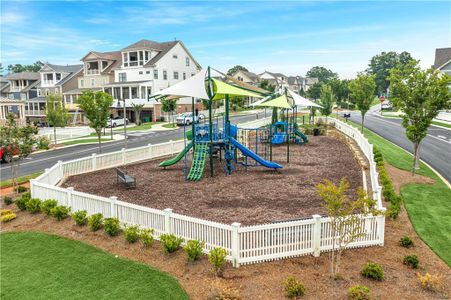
x,y
7,191
253,197
402,177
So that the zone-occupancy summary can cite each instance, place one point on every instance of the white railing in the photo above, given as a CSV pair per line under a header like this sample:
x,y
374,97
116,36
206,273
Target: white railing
x,y
244,245
65,133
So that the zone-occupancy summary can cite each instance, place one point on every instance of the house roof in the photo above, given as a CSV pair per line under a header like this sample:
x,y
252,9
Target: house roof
x,y
276,75
70,76
252,76
31,86
442,56
114,56
23,75
144,44
64,68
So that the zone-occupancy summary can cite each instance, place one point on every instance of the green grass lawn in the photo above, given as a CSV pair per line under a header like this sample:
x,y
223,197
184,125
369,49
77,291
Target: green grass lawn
x,y
85,141
22,179
428,205
170,125
40,266
143,126
441,124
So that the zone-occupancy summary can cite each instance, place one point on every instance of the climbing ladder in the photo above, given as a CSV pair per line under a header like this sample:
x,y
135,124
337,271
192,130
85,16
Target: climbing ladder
x,y
198,165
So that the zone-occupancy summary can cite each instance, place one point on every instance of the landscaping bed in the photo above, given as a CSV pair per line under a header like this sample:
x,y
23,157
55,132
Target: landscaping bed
x,y
257,196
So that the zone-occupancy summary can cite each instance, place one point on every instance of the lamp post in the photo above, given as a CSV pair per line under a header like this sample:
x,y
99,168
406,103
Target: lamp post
x,y
125,121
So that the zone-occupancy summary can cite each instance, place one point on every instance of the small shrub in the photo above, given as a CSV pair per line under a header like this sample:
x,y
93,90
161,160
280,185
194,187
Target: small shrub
x,y
33,205
170,242
80,217
217,258
47,205
112,226
430,282
146,237
193,249
20,189
393,211
8,217
5,212
60,212
406,242
8,200
43,143
21,203
373,271
359,292
293,288
131,233
95,222
411,260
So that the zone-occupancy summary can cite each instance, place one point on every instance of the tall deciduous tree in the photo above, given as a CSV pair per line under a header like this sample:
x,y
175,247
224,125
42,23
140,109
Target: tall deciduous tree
x,y
346,217
169,105
55,113
362,92
96,107
314,91
341,90
264,84
420,95
17,68
235,69
381,64
16,141
137,108
323,74
327,100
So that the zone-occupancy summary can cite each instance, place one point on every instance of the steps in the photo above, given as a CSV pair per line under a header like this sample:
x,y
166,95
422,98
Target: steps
x,y
198,165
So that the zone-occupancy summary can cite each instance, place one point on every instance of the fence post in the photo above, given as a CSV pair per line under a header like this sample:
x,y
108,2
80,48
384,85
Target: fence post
x,y
46,171
167,220
316,235
94,161
32,181
381,226
149,150
236,244
69,196
60,169
123,156
113,200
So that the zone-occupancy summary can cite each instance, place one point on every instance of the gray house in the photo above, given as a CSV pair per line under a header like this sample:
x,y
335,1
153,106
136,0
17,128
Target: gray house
x,y
442,60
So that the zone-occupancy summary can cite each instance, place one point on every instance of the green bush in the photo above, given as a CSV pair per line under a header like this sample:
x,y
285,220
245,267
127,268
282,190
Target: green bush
x,y
411,260
406,242
146,237
8,200
131,233
21,189
60,212
43,143
217,258
21,203
373,271
80,217
47,205
33,205
293,288
359,292
95,222
170,242
112,226
193,249
393,211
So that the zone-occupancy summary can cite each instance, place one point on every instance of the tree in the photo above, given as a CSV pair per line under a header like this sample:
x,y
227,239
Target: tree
x,y
420,95
55,113
17,68
381,64
169,105
341,90
96,106
137,108
235,69
314,91
346,217
323,74
16,140
236,101
327,100
264,84
362,92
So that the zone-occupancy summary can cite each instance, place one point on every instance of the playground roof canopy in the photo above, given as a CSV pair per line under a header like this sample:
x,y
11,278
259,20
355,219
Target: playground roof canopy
x,y
191,87
301,101
221,89
280,102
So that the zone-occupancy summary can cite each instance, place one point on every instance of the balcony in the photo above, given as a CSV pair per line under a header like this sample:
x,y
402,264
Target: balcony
x,y
34,113
92,72
48,82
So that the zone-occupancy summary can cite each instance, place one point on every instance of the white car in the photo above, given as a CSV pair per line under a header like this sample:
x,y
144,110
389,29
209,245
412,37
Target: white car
x,y
116,121
188,118
386,105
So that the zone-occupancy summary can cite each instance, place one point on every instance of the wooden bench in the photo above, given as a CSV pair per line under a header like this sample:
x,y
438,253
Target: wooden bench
x,y
126,179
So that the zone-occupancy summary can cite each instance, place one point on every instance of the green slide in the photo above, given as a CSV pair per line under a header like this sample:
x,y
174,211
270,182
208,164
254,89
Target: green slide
x,y
301,135
176,159
198,165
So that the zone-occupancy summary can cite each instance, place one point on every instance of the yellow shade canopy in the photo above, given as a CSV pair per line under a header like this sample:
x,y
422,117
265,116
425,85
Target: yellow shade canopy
x,y
280,102
221,89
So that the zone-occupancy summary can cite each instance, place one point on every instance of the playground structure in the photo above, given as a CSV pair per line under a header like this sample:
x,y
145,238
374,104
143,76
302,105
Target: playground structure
x,y
211,137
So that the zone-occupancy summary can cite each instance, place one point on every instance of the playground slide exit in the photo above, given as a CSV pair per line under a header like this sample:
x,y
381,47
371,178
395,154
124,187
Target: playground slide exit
x,y
175,160
253,155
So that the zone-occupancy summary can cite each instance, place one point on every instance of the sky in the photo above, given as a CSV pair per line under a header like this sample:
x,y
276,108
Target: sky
x,y
286,36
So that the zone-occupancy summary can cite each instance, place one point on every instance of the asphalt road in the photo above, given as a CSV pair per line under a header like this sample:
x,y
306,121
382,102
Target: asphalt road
x,y
40,161
435,149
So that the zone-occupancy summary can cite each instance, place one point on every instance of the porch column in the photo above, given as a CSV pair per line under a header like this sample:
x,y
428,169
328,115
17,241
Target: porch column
x,y
122,94
130,92
112,92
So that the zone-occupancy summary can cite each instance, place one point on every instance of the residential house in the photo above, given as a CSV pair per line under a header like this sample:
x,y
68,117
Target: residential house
x,y
4,87
277,79
246,77
442,60
12,106
298,83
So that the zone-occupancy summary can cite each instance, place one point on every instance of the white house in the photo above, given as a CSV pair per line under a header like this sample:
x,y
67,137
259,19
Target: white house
x,y
442,60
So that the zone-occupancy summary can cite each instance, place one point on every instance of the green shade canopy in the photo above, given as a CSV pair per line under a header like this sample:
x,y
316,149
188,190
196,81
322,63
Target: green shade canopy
x,y
280,102
221,89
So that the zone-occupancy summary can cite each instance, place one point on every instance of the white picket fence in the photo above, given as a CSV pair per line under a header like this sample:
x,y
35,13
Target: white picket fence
x,y
65,133
244,244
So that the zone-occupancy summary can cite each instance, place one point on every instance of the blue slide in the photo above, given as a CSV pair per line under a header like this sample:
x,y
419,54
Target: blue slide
x,y
247,152
278,139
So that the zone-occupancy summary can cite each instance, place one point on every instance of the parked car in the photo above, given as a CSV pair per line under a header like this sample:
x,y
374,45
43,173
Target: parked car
x,y
6,158
116,121
386,105
188,118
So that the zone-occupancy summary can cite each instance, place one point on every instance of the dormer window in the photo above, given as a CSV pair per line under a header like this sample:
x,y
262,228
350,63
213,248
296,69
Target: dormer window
x,y
104,65
58,76
135,58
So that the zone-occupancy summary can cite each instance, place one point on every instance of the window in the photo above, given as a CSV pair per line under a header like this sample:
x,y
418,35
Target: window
x,y
184,75
58,76
122,77
134,91
125,59
187,61
146,57
140,72
165,75
174,56
56,91
93,82
147,72
104,64
47,92
176,75
155,74
141,58
133,58
192,74
39,93
82,82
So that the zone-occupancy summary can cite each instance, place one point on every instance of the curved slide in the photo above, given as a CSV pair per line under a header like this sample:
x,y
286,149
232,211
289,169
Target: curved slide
x,y
258,159
301,135
176,159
